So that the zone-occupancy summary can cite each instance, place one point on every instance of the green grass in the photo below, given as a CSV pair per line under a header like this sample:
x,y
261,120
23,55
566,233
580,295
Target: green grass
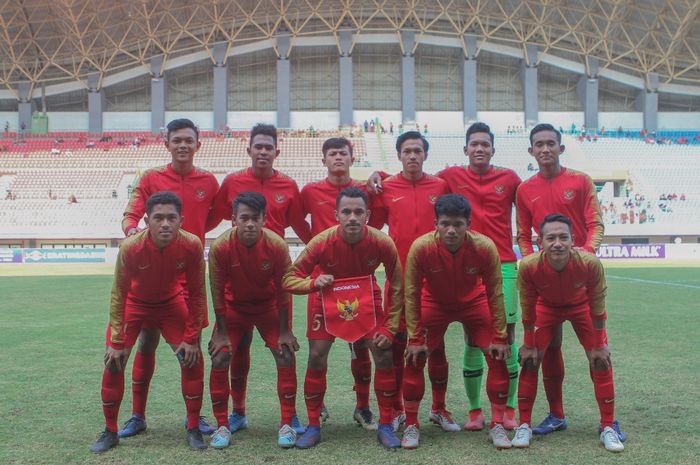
x,y
51,345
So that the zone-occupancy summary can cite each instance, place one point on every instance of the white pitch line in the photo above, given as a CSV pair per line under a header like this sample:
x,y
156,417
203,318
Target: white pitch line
x,y
649,281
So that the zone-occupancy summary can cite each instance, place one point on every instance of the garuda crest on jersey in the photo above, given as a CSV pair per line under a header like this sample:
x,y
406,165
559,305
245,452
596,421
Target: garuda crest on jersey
x,y
279,198
568,195
348,311
499,189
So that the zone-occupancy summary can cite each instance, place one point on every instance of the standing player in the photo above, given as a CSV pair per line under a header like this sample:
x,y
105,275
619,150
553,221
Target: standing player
x,y
579,297
405,201
351,249
490,191
284,208
318,199
197,189
454,275
250,261
147,290
572,193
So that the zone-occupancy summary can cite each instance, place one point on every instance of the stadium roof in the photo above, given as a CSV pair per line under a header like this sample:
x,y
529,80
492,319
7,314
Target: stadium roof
x,y
54,41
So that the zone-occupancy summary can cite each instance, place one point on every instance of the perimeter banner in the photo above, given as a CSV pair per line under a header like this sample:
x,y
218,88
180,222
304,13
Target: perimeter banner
x,y
64,255
632,251
10,255
348,308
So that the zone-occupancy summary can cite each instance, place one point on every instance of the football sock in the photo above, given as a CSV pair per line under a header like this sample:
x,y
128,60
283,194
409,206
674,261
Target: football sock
x,y
141,374
314,390
192,380
240,366
497,388
512,365
605,395
287,393
398,348
112,394
219,391
527,392
413,391
361,367
438,372
473,372
553,379
385,390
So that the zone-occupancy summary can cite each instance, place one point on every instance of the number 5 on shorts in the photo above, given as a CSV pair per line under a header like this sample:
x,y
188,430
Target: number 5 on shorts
x,y
316,323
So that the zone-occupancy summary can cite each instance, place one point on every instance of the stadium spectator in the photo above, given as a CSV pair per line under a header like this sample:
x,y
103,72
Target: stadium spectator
x,y
72,199
579,298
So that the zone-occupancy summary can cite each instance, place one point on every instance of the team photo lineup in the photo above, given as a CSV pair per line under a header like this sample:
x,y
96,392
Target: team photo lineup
x,y
447,257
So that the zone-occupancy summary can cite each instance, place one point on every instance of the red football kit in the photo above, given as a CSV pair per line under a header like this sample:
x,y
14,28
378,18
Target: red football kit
x,y
570,193
254,277
319,199
549,298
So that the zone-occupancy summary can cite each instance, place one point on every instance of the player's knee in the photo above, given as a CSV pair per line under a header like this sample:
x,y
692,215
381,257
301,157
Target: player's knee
x,y
221,360
383,359
317,359
283,358
246,340
148,341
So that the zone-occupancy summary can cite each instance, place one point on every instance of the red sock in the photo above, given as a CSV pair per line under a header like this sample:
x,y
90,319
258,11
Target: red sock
x,y
438,372
314,390
240,366
141,374
553,379
112,394
385,390
605,395
192,380
219,390
527,392
361,367
413,391
497,380
398,349
287,393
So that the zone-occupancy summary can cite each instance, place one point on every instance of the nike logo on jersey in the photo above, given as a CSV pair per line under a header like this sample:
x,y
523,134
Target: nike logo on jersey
x,y
233,265
578,284
396,199
535,199
331,265
143,267
321,202
435,270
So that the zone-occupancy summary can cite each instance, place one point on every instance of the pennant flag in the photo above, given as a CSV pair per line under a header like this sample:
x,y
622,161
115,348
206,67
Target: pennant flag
x,y
348,308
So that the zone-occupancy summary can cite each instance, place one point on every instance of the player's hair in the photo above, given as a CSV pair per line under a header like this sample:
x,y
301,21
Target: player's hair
x,y
164,198
556,218
265,130
453,205
336,143
412,135
353,193
477,128
545,127
252,200
181,123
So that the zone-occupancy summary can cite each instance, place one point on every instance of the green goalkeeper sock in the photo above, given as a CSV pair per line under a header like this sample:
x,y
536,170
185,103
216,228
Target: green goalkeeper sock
x,y
512,365
473,371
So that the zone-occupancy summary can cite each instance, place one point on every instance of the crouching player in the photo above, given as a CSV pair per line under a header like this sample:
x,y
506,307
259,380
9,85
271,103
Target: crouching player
x,y
251,260
454,275
558,284
147,290
351,249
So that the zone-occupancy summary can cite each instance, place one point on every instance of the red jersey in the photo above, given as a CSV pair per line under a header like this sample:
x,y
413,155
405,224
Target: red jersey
x,y
319,199
146,276
284,207
570,193
581,282
491,196
253,274
334,256
408,207
196,189
436,275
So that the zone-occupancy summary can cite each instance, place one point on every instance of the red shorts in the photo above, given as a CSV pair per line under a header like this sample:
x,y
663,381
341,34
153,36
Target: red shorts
x,y
475,318
266,321
183,293
548,318
316,325
169,319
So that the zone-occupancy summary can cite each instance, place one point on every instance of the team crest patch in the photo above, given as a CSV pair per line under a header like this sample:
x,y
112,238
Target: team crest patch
x,y
179,265
372,262
265,266
471,270
200,194
432,198
568,195
348,311
279,198
499,189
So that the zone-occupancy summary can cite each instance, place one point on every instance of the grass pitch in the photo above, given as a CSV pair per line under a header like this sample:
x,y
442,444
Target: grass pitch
x,y
51,345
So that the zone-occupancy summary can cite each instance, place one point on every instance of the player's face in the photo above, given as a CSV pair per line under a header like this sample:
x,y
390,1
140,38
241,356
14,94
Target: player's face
x,y
352,214
163,223
451,230
338,161
556,240
263,151
249,223
479,150
183,144
546,148
412,156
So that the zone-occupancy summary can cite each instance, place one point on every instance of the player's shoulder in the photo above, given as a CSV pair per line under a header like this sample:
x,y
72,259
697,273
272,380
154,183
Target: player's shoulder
x,y
154,171
507,172
531,181
203,172
235,175
273,238
425,241
572,173
481,242
586,259
314,186
378,236
529,261
285,178
134,240
223,238
393,179
324,236
188,239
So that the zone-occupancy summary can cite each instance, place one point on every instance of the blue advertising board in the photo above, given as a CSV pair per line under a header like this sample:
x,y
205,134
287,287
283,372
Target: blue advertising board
x,y
64,255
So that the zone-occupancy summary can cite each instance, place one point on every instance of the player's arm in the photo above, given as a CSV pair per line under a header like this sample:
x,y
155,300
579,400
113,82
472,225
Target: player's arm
x,y
394,301
523,220
413,280
374,182
210,222
297,279
597,289
115,355
594,218
296,217
492,277
528,298
136,207
283,263
221,207
196,303
378,212
218,275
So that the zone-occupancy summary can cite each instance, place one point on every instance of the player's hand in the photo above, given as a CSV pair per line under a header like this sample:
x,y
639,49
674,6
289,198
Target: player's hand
x,y
133,231
374,183
527,356
600,359
381,341
510,330
218,342
190,354
115,359
323,280
288,341
498,351
414,354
